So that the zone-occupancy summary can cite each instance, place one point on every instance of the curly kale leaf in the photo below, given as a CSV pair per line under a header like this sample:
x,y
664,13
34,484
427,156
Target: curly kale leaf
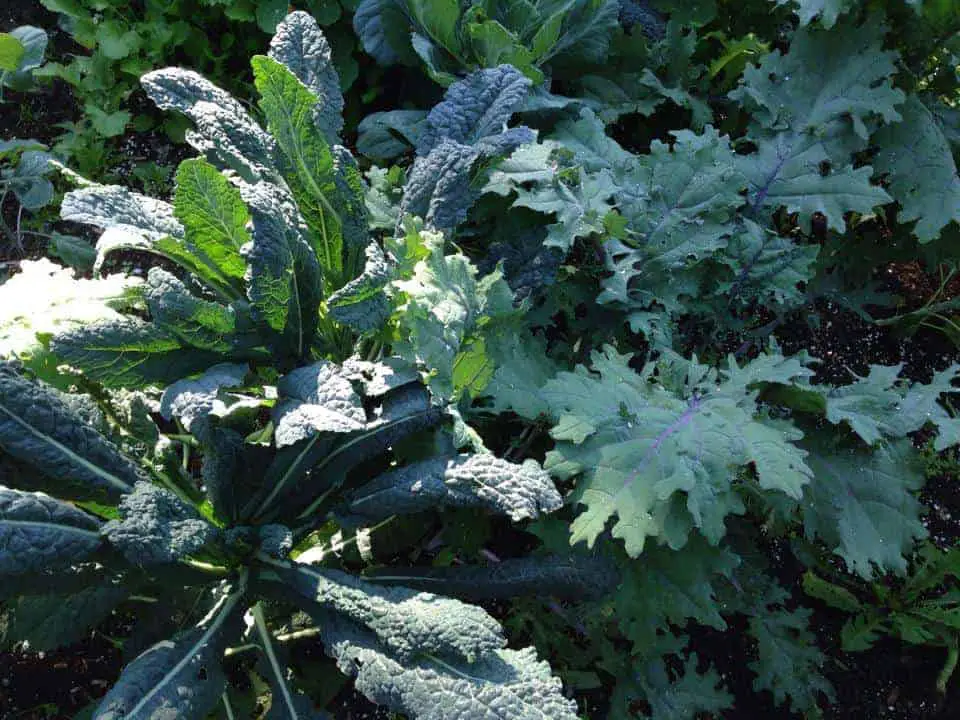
x,y
788,662
444,310
680,203
39,532
519,491
823,78
828,11
667,586
882,405
300,45
810,111
660,458
502,683
862,503
916,156
38,428
157,527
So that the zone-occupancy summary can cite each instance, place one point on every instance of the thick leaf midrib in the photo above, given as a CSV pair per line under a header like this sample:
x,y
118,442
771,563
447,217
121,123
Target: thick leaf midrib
x,y
74,457
271,654
218,621
53,526
298,156
295,465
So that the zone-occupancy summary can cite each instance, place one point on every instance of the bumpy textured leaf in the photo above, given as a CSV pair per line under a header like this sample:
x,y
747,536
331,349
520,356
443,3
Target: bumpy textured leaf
x,y
307,161
438,187
467,126
824,77
518,491
213,216
191,400
787,170
130,220
113,206
923,176
180,678
404,410
362,304
38,428
664,462
195,322
862,504
39,532
405,621
475,108
283,275
300,45
129,353
575,578
316,399
48,622
157,527
505,683
225,132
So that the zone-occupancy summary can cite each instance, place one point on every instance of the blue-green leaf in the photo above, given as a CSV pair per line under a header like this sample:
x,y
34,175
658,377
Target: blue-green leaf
x,y
38,532
37,427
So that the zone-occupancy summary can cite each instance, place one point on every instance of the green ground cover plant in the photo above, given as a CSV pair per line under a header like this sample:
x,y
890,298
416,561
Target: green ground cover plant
x,y
592,276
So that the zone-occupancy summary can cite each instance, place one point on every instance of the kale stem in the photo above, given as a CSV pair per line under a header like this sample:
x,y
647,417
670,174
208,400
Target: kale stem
x,y
207,567
228,709
953,653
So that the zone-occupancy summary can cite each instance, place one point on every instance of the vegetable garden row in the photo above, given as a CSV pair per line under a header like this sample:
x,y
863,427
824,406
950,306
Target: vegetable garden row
x,y
475,359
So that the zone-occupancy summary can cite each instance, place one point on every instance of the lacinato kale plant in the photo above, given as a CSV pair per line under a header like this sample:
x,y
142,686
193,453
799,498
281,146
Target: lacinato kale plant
x,y
229,445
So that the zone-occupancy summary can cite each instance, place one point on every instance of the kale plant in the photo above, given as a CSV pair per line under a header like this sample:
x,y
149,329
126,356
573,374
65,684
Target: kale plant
x,y
678,235
242,347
